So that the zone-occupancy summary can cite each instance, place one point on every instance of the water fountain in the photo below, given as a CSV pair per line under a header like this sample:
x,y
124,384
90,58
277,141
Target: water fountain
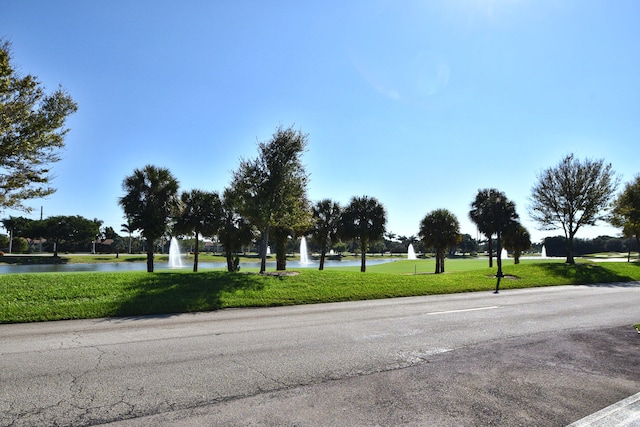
x,y
411,253
304,257
175,260
504,254
543,253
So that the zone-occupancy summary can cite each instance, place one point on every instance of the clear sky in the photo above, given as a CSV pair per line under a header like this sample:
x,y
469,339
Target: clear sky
x,y
416,103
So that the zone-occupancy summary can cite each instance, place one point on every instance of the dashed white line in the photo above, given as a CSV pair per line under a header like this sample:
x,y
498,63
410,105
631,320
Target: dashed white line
x,y
462,310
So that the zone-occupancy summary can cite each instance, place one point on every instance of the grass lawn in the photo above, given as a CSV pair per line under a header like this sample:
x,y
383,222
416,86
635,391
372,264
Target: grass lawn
x,y
54,296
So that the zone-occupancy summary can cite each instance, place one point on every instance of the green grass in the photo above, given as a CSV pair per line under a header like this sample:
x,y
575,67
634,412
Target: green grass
x,y
55,296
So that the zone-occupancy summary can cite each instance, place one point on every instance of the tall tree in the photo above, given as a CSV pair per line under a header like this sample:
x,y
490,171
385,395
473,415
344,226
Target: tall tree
x,y
200,214
516,238
235,231
271,187
493,213
14,226
151,200
364,219
626,211
324,232
31,134
440,230
571,195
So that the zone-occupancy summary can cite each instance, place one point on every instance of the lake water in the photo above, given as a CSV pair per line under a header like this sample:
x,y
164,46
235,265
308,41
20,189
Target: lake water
x,y
142,266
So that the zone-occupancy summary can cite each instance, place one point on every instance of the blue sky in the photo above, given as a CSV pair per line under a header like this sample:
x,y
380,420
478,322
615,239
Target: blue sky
x,y
416,103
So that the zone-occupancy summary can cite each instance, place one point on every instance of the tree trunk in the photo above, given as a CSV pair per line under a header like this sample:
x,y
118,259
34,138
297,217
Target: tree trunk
x,y
516,256
570,259
490,247
263,250
149,257
323,255
499,257
281,254
195,255
363,256
229,256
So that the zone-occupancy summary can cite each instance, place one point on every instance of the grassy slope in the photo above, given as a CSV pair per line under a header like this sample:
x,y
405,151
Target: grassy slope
x,y
54,296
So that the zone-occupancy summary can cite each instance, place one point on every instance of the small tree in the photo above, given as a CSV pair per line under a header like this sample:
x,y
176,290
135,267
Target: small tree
x,y
494,213
517,239
571,195
235,231
440,230
626,211
200,214
31,134
151,200
68,230
324,232
363,219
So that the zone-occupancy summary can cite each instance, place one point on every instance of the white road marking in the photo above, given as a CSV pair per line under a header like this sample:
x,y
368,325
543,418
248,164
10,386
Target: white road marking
x,y
462,310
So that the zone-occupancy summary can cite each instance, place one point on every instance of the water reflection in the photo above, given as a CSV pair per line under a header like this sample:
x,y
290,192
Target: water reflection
x,y
142,266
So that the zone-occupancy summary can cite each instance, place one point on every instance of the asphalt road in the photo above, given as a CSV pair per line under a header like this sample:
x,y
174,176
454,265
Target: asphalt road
x,y
545,356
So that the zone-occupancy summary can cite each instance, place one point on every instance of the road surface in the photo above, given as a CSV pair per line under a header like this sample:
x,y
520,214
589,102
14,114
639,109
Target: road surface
x,y
545,356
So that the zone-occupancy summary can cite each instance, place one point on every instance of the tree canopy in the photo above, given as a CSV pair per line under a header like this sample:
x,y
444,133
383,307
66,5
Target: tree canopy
x,y
200,214
151,200
32,133
571,195
626,210
326,223
364,219
271,189
440,230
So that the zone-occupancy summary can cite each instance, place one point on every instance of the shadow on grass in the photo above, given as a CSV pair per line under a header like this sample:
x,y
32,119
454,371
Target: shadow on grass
x,y
589,274
165,293
33,260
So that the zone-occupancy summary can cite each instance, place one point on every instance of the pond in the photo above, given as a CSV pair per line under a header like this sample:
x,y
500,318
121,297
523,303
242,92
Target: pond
x,y
142,266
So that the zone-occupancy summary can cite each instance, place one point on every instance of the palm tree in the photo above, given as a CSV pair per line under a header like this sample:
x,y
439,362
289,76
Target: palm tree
x,y
324,232
516,238
201,212
493,213
363,219
150,201
127,228
235,231
440,230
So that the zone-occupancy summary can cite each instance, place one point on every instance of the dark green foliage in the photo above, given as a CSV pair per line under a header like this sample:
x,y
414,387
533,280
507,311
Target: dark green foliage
x,y
200,214
440,230
324,232
571,195
363,219
31,134
271,189
626,211
151,200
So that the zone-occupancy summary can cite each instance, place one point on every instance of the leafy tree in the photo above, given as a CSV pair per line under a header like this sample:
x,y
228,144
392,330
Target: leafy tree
x,y
493,213
363,219
151,200
517,239
14,226
234,231
468,244
626,211
324,232
440,230
200,215
31,134
571,195
72,231
271,189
